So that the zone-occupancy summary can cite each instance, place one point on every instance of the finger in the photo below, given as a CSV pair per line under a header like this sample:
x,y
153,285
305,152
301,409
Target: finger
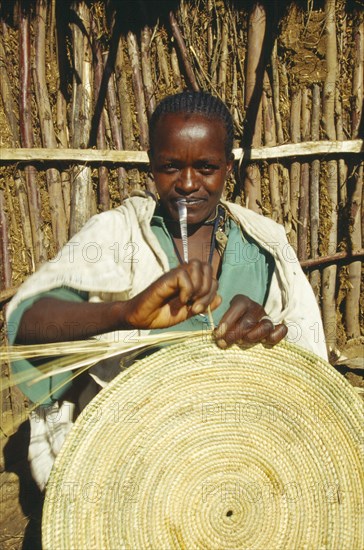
x,y
204,286
231,318
209,297
259,333
184,285
277,334
207,280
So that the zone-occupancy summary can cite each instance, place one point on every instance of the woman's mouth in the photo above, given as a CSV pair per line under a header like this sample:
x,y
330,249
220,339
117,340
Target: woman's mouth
x,y
190,201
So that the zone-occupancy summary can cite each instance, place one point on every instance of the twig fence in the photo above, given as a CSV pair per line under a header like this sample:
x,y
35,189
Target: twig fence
x,y
79,80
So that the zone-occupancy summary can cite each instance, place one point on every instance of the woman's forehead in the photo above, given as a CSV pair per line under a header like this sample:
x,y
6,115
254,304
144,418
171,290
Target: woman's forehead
x,y
189,118
189,125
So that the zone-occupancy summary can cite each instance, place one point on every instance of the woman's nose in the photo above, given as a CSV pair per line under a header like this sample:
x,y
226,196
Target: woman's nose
x,y
188,181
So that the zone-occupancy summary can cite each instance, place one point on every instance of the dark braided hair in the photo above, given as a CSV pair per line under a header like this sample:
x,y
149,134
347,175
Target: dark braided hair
x,y
201,103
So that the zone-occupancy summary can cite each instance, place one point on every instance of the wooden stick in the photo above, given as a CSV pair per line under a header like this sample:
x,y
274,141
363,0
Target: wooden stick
x,y
58,216
253,104
295,169
175,70
124,99
146,37
183,52
103,190
210,35
26,137
275,93
352,304
7,98
358,92
5,262
81,199
216,50
270,140
23,230
116,131
94,156
139,98
328,104
333,258
223,63
138,90
234,98
315,278
162,58
286,199
304,190
62,132
26,228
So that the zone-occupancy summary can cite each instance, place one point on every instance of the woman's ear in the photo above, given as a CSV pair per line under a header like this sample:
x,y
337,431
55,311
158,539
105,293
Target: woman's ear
x,y
230,165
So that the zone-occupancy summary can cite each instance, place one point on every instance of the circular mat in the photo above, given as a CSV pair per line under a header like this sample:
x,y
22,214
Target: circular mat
x,y
195,447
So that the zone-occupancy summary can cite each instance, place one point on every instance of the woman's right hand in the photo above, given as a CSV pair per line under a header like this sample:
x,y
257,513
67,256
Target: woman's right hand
x,y
181,293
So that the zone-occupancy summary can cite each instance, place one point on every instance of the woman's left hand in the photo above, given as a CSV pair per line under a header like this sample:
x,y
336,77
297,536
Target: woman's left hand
x,y
246,322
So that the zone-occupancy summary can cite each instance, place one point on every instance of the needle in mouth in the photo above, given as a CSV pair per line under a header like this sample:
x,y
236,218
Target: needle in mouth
x,y
182,213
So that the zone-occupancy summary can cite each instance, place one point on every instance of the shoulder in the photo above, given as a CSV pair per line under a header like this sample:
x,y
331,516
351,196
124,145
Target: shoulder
x,y
131,210
255,223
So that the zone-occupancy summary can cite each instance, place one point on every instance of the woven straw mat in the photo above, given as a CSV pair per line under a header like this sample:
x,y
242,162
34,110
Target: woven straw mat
x,y
195,447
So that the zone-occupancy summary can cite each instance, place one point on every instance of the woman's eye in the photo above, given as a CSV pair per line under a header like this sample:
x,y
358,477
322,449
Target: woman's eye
x,y
208,168
169,167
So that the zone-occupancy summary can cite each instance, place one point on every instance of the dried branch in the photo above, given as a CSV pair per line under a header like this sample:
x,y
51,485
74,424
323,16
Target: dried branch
x,y
295,170
103,190
328,106
290,150
5,261
58,216
304,191
82,198
334,258
138,90
183,52
146,37
270,140
175,70
7,97
116,131
315,189
26,137
162,58
352,304
275,93
358,77
223,64
253,104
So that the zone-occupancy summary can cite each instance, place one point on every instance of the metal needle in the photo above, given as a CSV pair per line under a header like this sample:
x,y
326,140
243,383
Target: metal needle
x,y
182,213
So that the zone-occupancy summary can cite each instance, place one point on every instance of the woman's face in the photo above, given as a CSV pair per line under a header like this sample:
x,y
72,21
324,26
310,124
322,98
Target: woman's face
x,y
188,160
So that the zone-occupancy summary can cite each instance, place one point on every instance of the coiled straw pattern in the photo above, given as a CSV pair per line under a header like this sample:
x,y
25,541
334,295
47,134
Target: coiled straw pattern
x,y
195,447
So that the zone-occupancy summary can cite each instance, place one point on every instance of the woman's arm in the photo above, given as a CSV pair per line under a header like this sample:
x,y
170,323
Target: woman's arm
x,y
179,294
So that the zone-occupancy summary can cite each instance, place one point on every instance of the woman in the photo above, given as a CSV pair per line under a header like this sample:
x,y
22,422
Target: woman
x,y
123,273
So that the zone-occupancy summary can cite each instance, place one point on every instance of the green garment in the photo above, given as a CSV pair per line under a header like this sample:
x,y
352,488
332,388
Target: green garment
x,y
246,269
37,392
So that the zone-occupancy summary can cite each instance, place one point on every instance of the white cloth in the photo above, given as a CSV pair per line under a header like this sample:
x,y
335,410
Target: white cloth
x,y
48,429
116,255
